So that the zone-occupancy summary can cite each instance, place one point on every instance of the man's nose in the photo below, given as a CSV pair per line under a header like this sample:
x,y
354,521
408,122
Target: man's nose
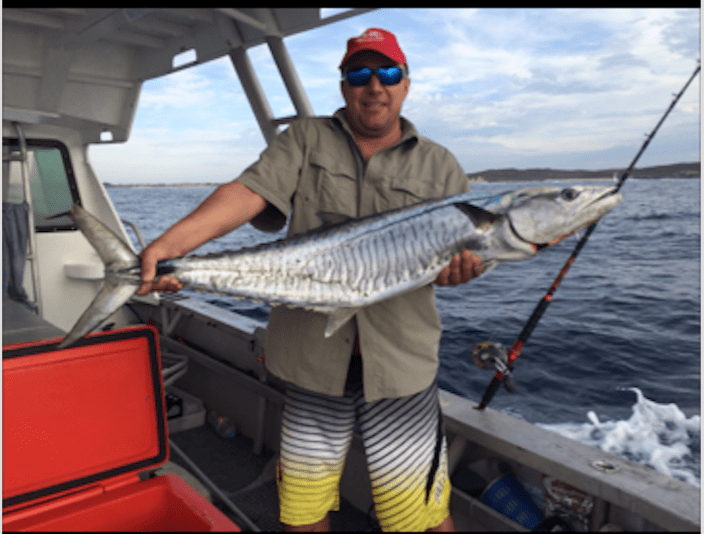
x,y
374,83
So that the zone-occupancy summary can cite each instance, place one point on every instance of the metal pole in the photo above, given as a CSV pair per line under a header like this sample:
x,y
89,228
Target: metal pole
x,y
32,245
254,92
211,485
289,76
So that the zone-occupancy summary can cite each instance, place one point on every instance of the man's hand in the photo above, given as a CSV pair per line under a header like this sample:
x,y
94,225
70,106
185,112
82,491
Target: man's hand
x,y
149,257
228,207
462,268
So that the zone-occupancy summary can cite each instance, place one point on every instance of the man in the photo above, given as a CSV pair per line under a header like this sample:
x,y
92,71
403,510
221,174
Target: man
x,y
378,372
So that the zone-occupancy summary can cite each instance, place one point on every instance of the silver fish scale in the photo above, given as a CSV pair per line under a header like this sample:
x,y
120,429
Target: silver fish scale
x,y
371,259
370,264
353,269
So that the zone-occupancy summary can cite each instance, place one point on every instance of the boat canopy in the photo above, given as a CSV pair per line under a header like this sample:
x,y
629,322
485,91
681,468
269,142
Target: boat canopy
x,y
83,68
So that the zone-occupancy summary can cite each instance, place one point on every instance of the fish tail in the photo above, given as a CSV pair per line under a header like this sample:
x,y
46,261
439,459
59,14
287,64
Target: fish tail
x,y
117,256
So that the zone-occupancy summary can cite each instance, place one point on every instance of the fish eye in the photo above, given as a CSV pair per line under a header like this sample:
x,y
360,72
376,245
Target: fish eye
x,y
570,193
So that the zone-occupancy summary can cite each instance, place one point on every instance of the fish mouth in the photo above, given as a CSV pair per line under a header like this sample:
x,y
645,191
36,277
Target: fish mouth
x,y
608,193
518,236
610,198
600,205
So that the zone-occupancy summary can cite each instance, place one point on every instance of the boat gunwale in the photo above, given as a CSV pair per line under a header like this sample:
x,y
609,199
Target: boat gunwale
x,y
658,498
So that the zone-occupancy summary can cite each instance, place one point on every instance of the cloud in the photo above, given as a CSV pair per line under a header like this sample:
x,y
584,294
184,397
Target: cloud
x,y
155,156
182,89
621,61
548,82
573,88
682,34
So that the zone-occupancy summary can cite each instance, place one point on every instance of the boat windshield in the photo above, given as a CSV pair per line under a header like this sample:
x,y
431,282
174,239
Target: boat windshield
x,y
52,186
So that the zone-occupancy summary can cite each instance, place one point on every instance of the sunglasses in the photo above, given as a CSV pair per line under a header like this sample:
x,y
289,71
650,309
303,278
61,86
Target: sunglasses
x,y
386,75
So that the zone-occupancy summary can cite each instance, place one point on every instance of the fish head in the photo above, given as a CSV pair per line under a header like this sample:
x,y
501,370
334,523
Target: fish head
x,y
545,215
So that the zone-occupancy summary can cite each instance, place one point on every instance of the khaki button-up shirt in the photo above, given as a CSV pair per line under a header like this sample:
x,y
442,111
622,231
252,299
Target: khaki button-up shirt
x,y
315,171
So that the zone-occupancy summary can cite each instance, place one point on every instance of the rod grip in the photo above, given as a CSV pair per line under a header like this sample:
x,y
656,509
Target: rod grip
x,y
164,267
491,389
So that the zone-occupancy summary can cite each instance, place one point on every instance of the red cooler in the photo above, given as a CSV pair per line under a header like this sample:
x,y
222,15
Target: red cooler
x,y
78,425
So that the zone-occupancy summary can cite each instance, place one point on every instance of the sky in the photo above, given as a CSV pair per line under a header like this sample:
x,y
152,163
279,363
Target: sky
x,y
501,88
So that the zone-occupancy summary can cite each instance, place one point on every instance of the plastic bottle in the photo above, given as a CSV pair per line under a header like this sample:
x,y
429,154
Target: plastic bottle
x,y
506,494
222,425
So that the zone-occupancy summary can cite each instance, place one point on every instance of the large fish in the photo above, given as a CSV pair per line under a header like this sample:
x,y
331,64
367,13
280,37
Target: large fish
x,y
341,268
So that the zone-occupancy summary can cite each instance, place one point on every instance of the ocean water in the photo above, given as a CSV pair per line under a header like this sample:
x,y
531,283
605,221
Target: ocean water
x,y
615,360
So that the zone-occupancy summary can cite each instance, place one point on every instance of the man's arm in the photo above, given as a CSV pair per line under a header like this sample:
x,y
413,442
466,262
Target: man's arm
x,y
228,207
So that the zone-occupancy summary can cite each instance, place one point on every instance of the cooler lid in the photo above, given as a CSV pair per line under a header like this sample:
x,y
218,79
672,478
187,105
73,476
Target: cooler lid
x,y
76,416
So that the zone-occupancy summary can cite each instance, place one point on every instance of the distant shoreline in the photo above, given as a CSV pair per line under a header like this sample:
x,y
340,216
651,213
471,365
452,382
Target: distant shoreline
x,y
679,170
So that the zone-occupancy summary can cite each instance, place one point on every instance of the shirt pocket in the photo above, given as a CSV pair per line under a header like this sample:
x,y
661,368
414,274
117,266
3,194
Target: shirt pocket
x,y
329,185
400,193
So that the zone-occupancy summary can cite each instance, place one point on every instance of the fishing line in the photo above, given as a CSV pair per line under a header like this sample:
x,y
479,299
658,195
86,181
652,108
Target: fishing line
x,y
514,301
488,353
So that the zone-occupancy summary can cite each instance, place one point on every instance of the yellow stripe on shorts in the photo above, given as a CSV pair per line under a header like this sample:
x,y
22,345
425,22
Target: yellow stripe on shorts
x,y
406,456
407,459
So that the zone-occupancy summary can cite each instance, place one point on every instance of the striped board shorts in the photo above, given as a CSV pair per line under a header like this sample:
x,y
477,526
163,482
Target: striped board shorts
x,y
405,447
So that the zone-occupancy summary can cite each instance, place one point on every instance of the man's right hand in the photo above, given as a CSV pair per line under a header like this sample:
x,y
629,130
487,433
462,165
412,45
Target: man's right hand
x,y
150,256
228,207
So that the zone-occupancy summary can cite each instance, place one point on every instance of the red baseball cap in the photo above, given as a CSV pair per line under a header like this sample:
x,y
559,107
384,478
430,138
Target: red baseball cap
x,y
377,40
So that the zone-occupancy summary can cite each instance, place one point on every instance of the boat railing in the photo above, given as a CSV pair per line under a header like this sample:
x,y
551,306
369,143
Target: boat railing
x,y
136,231
31,254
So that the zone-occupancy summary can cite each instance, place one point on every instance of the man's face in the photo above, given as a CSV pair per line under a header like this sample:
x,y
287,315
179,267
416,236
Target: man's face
x,y
373,110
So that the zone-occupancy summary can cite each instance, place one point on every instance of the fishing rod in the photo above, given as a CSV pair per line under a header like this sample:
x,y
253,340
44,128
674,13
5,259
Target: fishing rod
x,y
488,353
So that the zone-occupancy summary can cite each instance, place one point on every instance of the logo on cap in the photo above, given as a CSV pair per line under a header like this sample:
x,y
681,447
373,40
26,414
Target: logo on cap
x,y
370,35
378,40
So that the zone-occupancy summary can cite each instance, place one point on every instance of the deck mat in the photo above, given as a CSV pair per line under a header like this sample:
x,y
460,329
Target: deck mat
x,y
236,470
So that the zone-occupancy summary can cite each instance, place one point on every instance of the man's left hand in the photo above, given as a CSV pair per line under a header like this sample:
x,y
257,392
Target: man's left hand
x,y
462,268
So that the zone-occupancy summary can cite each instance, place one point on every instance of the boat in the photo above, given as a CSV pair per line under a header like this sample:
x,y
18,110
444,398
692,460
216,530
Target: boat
x,y
72,79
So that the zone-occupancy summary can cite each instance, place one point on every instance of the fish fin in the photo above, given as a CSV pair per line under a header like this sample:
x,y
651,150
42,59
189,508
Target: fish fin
x,y
116,255
111,249
488,266
338,318
477,215
332,219
106,302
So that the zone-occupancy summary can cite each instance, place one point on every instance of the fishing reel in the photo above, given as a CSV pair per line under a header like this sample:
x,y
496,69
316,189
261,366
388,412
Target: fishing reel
x,y
492,355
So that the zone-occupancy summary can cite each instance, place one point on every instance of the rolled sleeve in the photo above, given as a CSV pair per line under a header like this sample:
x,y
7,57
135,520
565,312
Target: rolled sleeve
x,y
275,177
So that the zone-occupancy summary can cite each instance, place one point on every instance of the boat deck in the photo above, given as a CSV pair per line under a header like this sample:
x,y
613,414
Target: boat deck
x,y
247,479
625,493
20,325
